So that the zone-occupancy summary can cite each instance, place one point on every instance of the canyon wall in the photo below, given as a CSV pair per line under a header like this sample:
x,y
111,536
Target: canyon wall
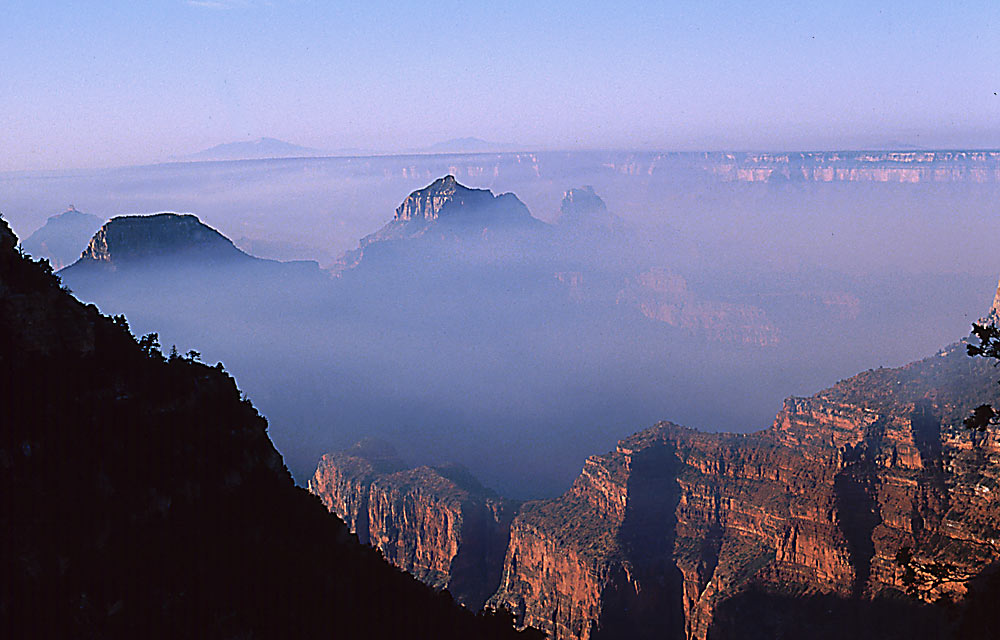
x,y
675,525
684,534
437,523
916,166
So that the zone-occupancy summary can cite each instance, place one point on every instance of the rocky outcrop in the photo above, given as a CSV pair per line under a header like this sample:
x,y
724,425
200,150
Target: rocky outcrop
x,y
142,497
447,219
450,202
444,196
583,208
135,238
437,523
657,537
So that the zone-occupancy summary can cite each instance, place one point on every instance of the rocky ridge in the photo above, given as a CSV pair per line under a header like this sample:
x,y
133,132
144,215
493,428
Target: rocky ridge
x,y
582,207
448,201
664,296
445,217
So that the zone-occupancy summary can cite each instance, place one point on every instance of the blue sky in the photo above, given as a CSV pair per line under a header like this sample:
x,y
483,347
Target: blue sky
x,y
102,84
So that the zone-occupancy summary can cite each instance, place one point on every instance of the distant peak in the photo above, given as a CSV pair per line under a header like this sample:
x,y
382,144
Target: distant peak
x,y
442,196
582,195
582,206
71,213
128,238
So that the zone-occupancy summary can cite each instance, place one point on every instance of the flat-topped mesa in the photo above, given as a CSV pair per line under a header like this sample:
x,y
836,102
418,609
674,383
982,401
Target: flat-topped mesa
x,y
131,238
436,522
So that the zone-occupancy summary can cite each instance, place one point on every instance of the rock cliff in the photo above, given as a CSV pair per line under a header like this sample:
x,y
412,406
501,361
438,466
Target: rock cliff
x,y
142,497
437,523
679,533
856,166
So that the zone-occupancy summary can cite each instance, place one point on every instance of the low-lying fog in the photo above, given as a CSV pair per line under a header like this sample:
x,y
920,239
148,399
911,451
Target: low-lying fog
x,y
705,303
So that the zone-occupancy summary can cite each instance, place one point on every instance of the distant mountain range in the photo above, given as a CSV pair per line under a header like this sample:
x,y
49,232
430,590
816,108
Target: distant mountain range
x,y
264,148
256,149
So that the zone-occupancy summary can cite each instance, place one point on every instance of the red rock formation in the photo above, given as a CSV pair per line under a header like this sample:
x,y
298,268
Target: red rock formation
x,y
438,523
654,537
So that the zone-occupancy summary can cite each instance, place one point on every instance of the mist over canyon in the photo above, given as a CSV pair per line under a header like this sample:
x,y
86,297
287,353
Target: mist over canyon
x,y
467,356
469,329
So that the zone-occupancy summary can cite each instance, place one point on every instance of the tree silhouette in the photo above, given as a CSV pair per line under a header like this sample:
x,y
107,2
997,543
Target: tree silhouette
x,y
989,347
149,344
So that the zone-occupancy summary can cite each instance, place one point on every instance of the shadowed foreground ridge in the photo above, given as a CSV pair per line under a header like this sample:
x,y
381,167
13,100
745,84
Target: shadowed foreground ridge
x,y
142,497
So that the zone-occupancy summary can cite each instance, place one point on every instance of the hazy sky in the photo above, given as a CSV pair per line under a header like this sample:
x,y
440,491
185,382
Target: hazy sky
x,y
111,83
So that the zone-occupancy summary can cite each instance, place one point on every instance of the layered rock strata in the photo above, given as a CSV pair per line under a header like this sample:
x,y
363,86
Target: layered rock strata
x,y
655,538
438,523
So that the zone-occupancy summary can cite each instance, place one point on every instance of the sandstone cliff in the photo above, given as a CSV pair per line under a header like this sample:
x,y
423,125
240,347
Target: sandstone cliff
x,y
437,523
676,532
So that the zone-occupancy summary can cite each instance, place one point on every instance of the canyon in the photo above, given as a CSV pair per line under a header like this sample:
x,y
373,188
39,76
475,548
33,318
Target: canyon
x,y
685,534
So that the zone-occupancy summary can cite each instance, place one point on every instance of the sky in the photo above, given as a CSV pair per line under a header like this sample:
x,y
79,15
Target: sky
x,y
120,83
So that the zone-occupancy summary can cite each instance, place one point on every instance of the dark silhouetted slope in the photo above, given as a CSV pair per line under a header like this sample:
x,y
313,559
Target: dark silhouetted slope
x,y
142,497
